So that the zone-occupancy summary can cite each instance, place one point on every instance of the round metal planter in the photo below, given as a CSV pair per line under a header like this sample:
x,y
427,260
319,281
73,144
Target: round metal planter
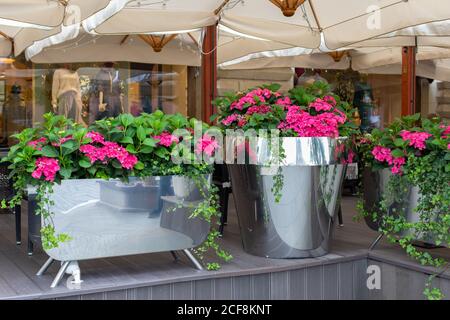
x,y
301,224
375,187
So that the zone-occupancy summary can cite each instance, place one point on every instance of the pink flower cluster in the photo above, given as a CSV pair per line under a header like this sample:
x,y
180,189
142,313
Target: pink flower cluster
x,y
446,132
95,137
416,139
285,102
323,104
242,121
252,97
62,141
166,139
38,144
306,125
263,109
108,150
47,167
383,154
206,144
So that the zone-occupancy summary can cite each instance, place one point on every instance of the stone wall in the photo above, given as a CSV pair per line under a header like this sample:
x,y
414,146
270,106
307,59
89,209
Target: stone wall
x,y
443,100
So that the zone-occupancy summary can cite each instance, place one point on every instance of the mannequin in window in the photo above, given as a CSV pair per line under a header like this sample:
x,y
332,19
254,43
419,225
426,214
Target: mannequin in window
x,y
105,101
66,94
14,114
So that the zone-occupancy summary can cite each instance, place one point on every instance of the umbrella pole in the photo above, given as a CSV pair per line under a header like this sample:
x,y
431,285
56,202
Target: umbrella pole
x,y
209,72
408,80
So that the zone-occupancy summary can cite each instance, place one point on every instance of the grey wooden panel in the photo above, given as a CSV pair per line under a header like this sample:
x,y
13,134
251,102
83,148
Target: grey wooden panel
x,y
116,295
70,298
331,282
297,284
223,289
346,281
182,291
388,281
204,289
375,294
261,286
279,288
143,293
94,296
162,292
360,279
242,288
314,282
410,285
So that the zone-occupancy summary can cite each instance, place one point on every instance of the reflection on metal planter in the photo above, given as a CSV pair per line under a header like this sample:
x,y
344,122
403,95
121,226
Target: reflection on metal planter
x,y
111,218
301,224
375,184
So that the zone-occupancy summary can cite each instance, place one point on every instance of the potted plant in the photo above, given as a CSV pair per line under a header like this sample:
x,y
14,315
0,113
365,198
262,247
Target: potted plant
x,y
287,164
112,189
406,186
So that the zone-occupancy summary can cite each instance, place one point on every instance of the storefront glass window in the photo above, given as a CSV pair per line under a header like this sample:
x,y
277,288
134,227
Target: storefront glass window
x,y
86,92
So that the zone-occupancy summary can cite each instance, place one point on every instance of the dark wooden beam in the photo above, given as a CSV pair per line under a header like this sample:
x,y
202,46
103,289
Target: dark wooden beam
x,y
408,80
209,72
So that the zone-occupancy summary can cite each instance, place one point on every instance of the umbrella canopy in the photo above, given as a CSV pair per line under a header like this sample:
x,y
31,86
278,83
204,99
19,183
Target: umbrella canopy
x,y
45,13
298,23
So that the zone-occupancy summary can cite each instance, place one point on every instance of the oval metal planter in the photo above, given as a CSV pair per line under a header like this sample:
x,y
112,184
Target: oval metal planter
x,y
301,224
111,218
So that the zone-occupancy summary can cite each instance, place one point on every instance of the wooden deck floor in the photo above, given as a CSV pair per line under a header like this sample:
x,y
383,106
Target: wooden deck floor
x,y
118,277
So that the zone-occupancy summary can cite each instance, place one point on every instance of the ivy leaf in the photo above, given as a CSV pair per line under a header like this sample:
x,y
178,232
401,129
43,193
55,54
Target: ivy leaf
x,y
50,152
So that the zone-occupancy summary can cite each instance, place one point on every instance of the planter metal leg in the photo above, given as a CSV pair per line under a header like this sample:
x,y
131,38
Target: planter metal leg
x,y
17,213
174,255
340,219
45,267
374,244
193,259
60,274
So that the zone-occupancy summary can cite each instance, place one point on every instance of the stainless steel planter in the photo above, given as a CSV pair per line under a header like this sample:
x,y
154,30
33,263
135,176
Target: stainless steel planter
x,y
403,202
111,218
301,225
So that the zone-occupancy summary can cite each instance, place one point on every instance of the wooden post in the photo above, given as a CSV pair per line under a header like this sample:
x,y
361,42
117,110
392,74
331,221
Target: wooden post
x,y
408,80
209,72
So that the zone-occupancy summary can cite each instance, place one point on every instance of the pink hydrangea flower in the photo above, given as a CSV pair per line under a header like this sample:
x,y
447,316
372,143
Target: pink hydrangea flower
x,y
242,121
251,98
446,132
321,105
95,137
259,109
47,167
285,102
383,154
206,144
38,144
306,125
330,99
166,139
416,139
109,150
230,119
62,141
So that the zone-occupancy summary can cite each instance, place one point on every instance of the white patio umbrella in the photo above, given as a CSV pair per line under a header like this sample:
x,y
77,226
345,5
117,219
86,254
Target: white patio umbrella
x,y
45,13
341,23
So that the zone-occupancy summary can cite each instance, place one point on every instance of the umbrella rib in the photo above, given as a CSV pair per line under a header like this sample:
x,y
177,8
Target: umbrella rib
x,y
315,16
220,8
